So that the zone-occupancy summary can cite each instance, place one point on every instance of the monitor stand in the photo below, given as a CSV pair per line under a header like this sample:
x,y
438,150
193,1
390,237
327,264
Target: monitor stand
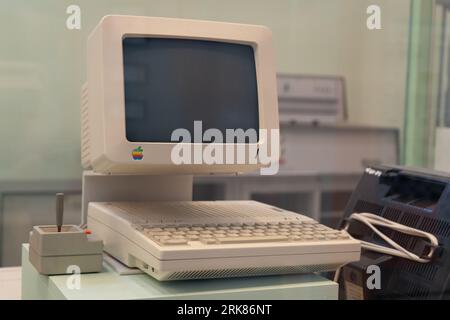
x,y
132,187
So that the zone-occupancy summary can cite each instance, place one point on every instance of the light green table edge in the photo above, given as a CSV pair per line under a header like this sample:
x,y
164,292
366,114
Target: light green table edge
x,y
111,286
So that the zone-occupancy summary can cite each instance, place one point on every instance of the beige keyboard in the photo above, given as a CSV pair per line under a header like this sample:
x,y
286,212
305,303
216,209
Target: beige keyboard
x,y
216,239
235,233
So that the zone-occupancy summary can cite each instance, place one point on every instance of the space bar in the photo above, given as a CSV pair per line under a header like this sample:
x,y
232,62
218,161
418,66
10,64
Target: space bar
x,y
251,239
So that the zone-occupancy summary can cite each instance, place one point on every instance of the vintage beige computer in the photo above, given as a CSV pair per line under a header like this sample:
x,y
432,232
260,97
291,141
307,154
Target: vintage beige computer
x,y
146,79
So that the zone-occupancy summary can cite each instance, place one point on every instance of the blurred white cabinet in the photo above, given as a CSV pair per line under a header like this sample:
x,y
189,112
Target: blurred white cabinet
x,y
311,98
336,149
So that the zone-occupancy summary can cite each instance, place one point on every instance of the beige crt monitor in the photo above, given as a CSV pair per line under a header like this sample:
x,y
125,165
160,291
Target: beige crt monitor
x,y
126,130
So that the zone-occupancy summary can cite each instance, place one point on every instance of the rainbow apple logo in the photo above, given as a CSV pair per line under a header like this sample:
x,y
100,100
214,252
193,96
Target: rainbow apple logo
x,y
137,153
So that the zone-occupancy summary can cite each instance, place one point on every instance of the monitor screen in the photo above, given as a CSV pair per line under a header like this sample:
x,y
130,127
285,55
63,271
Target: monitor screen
x,y
170,83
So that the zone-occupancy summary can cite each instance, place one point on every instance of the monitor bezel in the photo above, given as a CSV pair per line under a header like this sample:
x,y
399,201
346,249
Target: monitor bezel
x,y
109,53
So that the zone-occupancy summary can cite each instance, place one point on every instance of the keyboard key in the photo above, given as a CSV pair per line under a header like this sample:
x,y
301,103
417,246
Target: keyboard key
x,y
173,241
230,240
232,235
161,238
162,233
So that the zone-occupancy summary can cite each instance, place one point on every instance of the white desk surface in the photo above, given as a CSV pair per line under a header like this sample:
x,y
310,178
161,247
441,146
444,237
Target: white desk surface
x,y
10,283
